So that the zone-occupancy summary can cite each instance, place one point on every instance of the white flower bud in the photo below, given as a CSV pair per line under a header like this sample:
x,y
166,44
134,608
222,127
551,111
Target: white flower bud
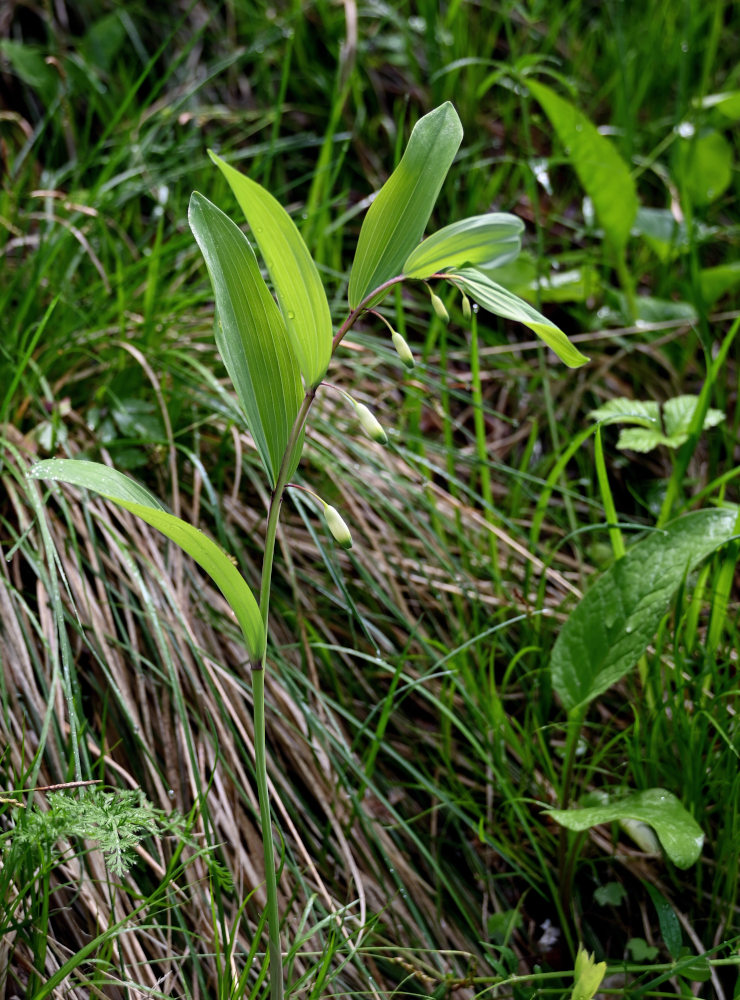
x,y
439,307
402,349
370,424
467,311
337,526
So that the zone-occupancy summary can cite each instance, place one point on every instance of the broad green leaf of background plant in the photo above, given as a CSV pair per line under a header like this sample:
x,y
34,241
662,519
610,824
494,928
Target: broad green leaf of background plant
x,y
28,63
522,277
678,414
609,630
292,271
498,300
715,282
703,166
396,220
678,832
250,334
603,173
727,103
127,493
493,239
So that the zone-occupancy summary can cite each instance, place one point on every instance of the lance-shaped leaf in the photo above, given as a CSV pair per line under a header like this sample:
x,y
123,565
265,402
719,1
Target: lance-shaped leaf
x,y
490,240
130,495
678,832
250,334
292,271
396,220
603,173
609,630
502,302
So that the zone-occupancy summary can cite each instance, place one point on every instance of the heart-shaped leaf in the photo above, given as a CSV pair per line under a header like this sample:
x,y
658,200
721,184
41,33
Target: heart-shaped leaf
x,y
130,495
396,220
292,271
250,334
609,630
491,240
677,830
502,302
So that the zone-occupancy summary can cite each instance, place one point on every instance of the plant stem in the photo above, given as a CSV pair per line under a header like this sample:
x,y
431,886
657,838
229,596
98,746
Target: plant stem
x,y
277,985
277,991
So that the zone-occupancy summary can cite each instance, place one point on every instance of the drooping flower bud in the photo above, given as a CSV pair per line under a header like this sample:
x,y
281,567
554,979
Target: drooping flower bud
x,y
370,424
402,349
337,526
439,307
467,311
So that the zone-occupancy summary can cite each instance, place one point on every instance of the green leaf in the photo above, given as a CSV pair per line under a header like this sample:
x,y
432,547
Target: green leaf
x,y
130,495
728,104
292,271
677,830
609,630
396,220
646,413
642,440
250,334
716,282
662,232
498,300
28,63
703,166
603,173
640,950
610,894
522,278
678,414
670,927
491,240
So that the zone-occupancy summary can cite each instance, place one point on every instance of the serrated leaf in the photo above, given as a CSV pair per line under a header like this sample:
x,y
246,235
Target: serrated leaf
x,y
250,334
396,220
603,173
643,439
502,302
609,630
677,830
491,240
621,410
292,271
130,495
678,414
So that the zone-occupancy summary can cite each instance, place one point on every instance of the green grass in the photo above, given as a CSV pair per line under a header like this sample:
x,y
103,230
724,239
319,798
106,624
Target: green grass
x,y
414,731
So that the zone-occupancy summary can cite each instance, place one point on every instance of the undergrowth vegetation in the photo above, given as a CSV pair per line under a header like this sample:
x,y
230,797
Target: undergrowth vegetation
x,y
501,726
